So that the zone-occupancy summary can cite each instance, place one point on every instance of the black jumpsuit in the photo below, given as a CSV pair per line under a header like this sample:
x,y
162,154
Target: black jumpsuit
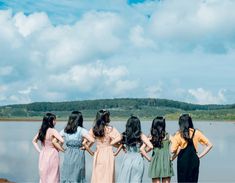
x,y
188,163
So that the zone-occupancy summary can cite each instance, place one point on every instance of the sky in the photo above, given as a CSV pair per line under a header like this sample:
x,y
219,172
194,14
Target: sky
x,y
69,50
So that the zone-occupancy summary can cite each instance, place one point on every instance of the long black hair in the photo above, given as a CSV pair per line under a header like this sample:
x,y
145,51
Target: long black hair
x,y
185,122
158,131
132,134
102,119
47,122
75,120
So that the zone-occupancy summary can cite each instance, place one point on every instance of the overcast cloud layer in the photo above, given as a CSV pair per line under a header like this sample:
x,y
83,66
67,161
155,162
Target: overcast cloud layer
x,y
74,50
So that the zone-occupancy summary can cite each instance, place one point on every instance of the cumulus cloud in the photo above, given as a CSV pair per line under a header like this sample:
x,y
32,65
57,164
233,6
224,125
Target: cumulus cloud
x,y
46,57
28,90
203,96
154,91
123,86
96,77
27,24
189,25
137,38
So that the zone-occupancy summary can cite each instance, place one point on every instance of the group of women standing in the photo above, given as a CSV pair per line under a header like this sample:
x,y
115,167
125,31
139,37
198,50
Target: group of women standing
x,y
136,145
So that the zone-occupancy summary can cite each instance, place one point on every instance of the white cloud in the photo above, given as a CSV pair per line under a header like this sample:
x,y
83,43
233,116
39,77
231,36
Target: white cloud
x,y
19,99
203,96
96,77
186,25
154,91
123,86
137,37
32,23
137,46
28,90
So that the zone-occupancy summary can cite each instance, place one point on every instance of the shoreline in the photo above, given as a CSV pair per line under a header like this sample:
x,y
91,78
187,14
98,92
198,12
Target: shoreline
x,y
2,120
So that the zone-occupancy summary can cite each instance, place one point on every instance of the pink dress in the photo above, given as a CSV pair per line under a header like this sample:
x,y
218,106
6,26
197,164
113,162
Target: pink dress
x,y
103,163
49,160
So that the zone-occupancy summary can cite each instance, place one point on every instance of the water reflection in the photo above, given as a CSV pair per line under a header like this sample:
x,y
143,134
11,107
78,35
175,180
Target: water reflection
x,y
19,160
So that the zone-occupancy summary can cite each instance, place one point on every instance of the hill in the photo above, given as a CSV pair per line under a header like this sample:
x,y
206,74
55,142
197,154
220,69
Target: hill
x,y
121,108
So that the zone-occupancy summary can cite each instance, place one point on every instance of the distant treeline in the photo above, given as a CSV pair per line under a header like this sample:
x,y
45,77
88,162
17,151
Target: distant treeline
x,y
122,107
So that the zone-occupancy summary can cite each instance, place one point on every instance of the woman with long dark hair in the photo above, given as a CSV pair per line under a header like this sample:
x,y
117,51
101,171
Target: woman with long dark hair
x,y
49,155
185,146
73,168
103,162
160,168
132,167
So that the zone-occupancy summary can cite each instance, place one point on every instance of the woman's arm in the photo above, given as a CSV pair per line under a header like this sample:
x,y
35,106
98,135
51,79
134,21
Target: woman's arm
x,y
175,147
143,152
175,154
206,150
89,138
116,140
148,149
88,143
120,147
117,137
58,144
35,143
57,135
145,139
88,148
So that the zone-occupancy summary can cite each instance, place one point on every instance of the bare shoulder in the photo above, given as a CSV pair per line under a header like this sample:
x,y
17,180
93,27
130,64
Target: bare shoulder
x,y
52,130
176,133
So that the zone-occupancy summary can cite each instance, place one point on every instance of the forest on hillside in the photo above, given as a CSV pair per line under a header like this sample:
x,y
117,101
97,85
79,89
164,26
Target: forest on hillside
x,y
121,108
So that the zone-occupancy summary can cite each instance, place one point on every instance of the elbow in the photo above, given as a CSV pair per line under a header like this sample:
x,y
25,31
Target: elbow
x,y
142,150
115,141
173,151
34,141
119,138
211,145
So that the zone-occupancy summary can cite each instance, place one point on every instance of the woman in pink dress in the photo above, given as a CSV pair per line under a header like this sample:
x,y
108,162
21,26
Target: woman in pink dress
x,y
103,163
49,155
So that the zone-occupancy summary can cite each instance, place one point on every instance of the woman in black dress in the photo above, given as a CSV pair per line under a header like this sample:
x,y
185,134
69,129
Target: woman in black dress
x,y
185,146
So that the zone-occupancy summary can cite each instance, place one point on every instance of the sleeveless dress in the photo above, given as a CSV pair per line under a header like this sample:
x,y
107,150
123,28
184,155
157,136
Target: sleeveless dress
x,y
188,163
132,168
73,168
49,160
103,162
161,165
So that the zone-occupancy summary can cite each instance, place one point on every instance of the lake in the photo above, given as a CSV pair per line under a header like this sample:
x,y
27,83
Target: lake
x,y
19,159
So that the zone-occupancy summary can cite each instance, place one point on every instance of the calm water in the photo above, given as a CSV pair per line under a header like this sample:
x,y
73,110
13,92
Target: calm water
x,y
19,159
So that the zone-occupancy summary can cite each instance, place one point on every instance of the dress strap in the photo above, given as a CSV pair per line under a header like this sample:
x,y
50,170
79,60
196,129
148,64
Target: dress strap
x,y
193,133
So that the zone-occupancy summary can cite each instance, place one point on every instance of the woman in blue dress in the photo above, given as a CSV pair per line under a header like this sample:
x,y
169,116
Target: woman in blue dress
x,y
73,168
132,168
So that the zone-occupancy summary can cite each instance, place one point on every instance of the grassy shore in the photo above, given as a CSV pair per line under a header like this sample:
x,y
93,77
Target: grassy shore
x,y
116,119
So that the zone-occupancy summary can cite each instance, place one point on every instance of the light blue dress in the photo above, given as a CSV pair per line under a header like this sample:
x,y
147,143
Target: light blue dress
x,y
132,168
73,168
